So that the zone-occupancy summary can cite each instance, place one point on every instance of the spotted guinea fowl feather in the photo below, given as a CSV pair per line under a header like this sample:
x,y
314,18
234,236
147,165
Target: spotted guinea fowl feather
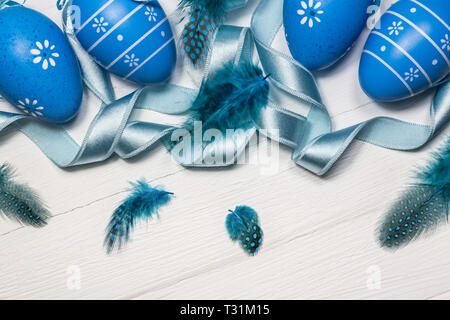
x,y
19,202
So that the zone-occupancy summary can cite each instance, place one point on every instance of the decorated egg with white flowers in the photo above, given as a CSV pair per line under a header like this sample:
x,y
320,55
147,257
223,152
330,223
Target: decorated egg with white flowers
x,y
409,50
320,32
131,39
39,72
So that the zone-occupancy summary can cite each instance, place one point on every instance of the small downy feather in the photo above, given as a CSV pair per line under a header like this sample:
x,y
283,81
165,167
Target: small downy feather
x,y
242,224
231,99
142,204
19,202
423,207
202,19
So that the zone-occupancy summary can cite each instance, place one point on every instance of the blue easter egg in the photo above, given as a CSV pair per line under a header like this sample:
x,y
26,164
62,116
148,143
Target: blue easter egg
x,y
320,32
131,39
39,73
409,52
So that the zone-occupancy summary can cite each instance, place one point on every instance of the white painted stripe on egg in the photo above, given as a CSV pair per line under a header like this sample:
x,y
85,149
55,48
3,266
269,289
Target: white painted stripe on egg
x,y
94,15
149,58
137,42
391,69
406,54
422,33
432,12
118,24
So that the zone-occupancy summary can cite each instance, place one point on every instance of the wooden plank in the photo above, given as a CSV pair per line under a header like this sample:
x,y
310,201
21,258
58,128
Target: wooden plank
x,y
319,232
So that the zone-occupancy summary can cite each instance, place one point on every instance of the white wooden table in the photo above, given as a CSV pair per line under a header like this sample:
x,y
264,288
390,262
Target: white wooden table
x,y
319,232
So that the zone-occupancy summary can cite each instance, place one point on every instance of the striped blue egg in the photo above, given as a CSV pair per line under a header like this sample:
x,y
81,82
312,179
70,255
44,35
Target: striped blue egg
x,y
39,72
409,52
130,39
320,32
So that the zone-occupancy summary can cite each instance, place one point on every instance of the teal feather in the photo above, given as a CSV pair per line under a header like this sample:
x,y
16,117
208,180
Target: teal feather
x,y
142,204
242,224
231,99
203,17
423,207
19,202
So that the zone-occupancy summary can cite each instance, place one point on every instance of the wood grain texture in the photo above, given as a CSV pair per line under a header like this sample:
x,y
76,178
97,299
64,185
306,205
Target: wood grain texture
x,y
319,232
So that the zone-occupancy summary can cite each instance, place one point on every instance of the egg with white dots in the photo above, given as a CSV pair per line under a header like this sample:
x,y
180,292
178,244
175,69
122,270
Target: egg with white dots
x,y
409,52
39,72
131,39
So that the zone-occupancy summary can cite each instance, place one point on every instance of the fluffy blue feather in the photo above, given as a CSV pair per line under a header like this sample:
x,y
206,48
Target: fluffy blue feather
x,y
231,99
142,204
437,172
203,17
423,207
242,224
19,202
239,219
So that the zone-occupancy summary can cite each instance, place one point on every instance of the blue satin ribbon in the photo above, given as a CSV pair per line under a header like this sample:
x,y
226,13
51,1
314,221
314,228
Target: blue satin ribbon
x,y
316,147
319,148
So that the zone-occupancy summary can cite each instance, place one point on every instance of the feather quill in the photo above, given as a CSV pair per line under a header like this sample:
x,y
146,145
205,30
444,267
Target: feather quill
x,y
19,202
142,204
202,19
242,224
231,99
423,207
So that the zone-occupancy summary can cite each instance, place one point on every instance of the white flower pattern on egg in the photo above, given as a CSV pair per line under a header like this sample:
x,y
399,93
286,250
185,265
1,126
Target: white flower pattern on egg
x,y
445,42
411,75
150,11
31,107
396,28
100,24
309,12
131,60
44,53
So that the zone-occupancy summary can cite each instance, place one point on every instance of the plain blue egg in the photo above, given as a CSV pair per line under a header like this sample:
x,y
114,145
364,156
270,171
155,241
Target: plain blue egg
x,y
39,73
130,39
320,32
409,52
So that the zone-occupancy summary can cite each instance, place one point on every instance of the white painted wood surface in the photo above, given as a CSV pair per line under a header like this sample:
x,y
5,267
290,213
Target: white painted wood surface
x,y
319,232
